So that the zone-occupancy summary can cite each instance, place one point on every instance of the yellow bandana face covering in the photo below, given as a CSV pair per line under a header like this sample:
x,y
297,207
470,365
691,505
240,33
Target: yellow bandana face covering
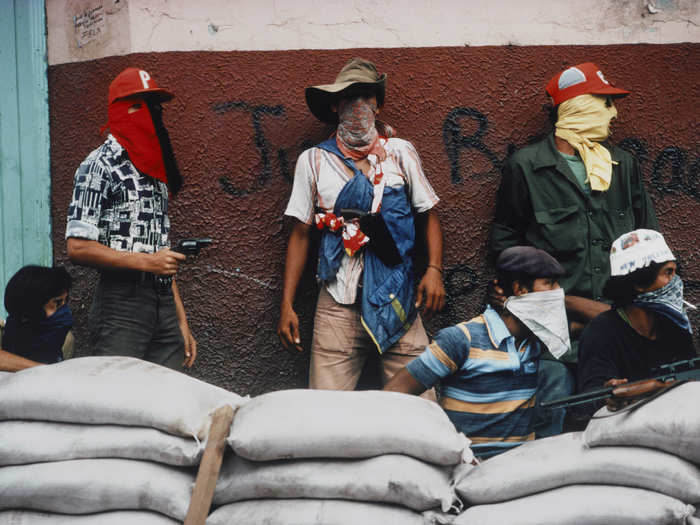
x,y
584,121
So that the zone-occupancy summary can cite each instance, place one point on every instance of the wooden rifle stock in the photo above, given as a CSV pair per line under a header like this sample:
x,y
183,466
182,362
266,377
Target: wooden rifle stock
x,y
662,377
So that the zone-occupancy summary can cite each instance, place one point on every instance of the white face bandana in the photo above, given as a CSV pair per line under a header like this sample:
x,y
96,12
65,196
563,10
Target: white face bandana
x,y
544,314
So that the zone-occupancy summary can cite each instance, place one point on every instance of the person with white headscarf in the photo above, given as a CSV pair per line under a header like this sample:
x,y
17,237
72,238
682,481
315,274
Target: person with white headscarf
x,y
647,326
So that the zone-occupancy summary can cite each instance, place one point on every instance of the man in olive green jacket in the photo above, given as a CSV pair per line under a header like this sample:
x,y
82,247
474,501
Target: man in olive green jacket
x,y
571,195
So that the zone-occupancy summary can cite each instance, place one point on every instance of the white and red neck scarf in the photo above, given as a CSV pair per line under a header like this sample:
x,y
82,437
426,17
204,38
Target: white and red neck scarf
x,y
358,130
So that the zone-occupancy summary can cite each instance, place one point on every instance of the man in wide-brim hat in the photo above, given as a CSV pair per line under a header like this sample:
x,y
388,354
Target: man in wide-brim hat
x,y
363,188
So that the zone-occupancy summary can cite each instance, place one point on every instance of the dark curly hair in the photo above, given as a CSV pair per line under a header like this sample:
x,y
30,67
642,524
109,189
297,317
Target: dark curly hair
x,y
621,288
30,289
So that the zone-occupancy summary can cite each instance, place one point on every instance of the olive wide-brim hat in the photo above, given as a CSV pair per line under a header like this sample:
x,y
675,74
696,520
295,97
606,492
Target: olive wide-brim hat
x,y
357,76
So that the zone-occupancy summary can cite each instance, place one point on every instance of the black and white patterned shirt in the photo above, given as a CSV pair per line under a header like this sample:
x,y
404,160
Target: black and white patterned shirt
x,y
116,205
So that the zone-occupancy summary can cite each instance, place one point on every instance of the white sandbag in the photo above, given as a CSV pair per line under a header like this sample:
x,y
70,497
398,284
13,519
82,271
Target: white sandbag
x,y
562,460
392,478
583,505
433,517
124,517
36,441
670,422
114,390
84,486
292,424
311,512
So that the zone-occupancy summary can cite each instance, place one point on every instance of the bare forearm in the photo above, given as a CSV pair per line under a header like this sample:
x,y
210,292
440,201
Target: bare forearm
x,y
585,309
179,306
10,362
91,253
405,383
297,254
433,237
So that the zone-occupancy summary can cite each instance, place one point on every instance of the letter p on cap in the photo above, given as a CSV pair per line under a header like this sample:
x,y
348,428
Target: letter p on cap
x,y
145,77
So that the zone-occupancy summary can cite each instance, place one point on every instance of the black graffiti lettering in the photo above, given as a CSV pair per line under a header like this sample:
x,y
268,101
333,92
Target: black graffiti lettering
x,y
675,159
455,140
636,147
670,172
692,184
460,281
257,112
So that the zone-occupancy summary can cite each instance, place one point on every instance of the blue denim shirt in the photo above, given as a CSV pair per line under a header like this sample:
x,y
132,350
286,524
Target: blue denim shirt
x,y
388,293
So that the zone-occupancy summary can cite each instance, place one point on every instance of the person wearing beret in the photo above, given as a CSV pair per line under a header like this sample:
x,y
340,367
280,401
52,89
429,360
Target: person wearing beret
x,y
487,366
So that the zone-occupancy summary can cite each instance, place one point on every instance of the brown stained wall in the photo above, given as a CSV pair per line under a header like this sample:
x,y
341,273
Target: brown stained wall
x,y
239,121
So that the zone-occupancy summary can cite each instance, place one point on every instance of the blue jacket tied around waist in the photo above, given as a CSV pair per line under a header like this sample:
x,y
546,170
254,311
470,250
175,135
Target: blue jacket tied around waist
x,y
388,293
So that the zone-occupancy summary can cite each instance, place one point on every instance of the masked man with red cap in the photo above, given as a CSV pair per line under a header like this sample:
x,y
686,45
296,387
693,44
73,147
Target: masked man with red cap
x,y
572,195
362,188
118,223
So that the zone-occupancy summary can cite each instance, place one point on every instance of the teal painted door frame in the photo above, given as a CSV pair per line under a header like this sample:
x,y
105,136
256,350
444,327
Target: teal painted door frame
x,y
25,178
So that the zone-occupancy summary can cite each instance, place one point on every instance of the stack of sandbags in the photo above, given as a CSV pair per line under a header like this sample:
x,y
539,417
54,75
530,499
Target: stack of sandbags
x,y
636,466
670,421
327,457
100,434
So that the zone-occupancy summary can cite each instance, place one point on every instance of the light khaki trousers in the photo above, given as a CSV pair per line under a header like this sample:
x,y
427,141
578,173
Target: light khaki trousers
x,y
340,347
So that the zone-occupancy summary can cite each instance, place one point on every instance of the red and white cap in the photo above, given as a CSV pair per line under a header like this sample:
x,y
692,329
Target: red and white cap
x,y
581,79
135,81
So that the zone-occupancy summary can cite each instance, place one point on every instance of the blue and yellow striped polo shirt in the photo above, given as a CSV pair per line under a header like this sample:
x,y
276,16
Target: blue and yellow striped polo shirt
x,y
488,385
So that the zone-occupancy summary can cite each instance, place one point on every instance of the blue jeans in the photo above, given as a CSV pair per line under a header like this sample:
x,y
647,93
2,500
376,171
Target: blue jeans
x,y
554,381
134,319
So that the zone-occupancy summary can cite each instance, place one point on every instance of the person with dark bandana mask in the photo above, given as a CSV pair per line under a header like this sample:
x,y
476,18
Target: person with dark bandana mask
x,y
118,223
39,320
647,325
366,191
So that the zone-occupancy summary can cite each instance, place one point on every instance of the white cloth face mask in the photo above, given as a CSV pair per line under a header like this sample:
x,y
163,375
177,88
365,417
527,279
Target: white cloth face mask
x,y
544,313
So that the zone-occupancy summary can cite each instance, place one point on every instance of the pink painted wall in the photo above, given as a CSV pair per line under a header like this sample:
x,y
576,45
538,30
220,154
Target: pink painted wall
x,y
239,121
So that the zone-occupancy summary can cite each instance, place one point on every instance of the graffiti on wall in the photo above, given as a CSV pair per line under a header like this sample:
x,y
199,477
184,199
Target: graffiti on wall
x,y
671,172
262,144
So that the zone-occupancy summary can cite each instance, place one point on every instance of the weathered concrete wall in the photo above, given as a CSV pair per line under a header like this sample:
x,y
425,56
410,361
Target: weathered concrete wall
x,y
91,29
239,121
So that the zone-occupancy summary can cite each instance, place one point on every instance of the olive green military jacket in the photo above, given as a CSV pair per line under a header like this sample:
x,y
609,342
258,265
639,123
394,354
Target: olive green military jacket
x,y
540,203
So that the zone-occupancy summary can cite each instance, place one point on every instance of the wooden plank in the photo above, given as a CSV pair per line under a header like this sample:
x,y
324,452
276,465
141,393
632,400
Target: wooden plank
x,y
208,473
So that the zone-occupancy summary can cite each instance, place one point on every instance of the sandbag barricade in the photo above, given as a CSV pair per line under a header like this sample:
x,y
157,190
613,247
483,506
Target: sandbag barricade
x,y
101,434
640,465
37,441
114,390
125,517
312,512
361,451
670,422
83,486
563,460
294,424
583,505
391,478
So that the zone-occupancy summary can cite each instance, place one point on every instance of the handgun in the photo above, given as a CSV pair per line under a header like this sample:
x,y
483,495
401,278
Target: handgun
x,y
191,246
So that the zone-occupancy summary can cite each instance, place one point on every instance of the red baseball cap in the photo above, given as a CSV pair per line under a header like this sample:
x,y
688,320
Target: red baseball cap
x,y
581,79
134,81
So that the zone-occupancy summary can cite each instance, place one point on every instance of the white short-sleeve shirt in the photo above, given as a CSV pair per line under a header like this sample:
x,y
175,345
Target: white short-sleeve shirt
x,y
320,175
